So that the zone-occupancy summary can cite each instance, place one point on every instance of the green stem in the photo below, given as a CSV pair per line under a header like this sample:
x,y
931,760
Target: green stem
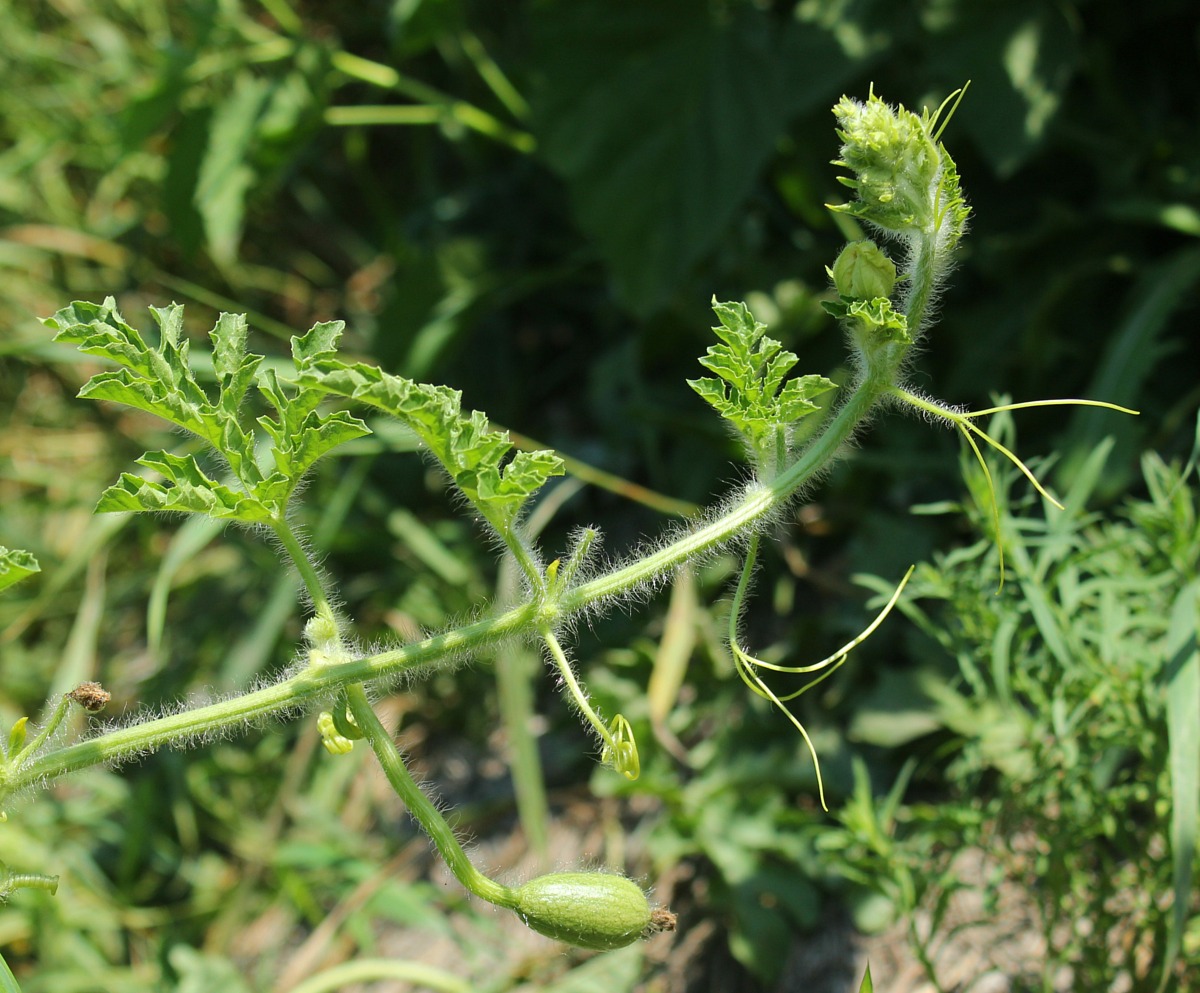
x,y
493,75
420,806
388,115
514,690
284,16
371,970
743,585
301,691
923,277
51,725
522,552
465,114
308,572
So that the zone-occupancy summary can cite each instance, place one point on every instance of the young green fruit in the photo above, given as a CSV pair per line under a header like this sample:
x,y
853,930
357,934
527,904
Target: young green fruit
x,y
590,909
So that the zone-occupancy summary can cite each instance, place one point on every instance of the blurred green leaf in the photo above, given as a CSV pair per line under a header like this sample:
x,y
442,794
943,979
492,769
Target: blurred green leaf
x,y
897,709
612,972
1020,57
771,905
16,565
226,171
660,117
189,140
204,972
8,982
1133,351
1183,729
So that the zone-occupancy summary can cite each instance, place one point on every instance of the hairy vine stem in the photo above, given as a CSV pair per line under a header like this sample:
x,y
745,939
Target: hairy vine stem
x,y
315,683
420,806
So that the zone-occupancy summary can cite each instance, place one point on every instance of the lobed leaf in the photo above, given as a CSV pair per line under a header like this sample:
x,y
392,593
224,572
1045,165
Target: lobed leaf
x,y
301,435
189,491
877,316
467,448
749,390
160,382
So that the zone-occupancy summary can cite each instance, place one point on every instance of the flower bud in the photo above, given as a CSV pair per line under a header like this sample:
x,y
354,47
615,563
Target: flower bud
x,y
863,272
321,631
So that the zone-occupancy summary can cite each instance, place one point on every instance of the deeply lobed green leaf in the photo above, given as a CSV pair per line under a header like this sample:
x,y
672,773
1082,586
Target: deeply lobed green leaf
x,y
875,318
189,490
160,381
749,390
470,452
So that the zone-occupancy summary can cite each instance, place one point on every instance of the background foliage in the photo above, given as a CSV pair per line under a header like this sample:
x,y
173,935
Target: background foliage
x,y
534,202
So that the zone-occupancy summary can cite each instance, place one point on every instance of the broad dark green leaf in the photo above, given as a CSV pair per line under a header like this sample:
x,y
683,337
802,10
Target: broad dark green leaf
x,y
659,117
1014,97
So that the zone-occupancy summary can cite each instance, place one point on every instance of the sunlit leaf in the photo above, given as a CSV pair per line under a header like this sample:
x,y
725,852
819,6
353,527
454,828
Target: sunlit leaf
x,y
159,380
751,393
188,490
471,453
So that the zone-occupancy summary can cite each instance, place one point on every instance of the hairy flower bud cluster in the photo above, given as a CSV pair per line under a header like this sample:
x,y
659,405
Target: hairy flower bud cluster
x,y
905,180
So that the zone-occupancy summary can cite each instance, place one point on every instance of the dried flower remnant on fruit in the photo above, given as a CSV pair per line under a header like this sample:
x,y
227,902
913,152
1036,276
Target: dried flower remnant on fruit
x,y
91,696
661,920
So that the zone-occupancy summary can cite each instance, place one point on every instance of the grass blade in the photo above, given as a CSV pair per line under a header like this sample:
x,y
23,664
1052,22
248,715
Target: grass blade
x,y
1183,730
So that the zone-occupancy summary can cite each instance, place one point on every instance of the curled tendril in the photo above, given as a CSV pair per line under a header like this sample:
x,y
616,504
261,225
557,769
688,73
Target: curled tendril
x,y
10,881
748,665
962,422
620,749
